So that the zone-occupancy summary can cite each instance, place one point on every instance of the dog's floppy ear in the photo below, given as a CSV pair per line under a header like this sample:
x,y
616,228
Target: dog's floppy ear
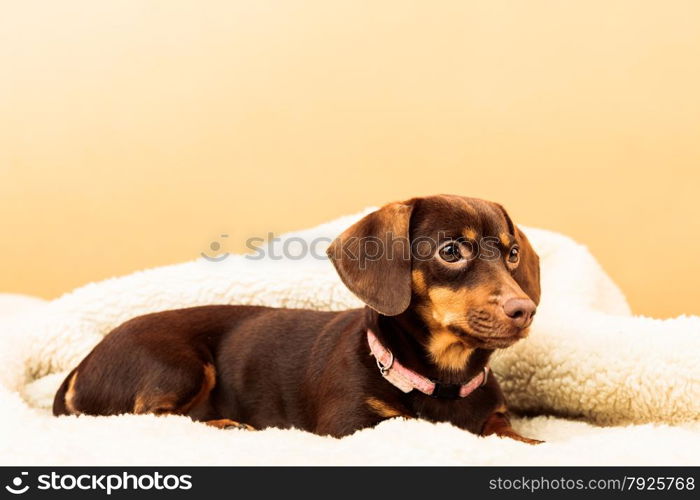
x,y
527,274
373,258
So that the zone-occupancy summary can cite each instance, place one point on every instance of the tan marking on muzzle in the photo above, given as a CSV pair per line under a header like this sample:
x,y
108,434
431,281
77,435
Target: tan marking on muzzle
x,y
445,307
449,306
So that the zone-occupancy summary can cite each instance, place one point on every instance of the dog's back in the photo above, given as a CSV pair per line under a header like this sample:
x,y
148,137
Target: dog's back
x,y
201,360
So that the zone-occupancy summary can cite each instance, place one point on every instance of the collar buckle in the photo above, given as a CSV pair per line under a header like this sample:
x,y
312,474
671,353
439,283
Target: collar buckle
x,y
383,369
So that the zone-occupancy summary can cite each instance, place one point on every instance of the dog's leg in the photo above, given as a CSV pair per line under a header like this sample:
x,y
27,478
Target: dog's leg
x,y
499,424
160,402
225,423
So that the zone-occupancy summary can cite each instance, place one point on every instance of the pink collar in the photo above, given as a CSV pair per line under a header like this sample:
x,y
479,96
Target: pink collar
x,y
407,380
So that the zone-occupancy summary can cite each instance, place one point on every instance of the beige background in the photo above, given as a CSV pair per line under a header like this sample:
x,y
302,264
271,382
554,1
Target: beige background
x,y
133,133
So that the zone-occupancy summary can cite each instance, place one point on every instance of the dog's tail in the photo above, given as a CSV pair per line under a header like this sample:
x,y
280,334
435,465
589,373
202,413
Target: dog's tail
x,y
60,406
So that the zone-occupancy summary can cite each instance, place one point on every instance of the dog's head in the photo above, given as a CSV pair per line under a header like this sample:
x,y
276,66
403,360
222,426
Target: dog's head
x,y
459,263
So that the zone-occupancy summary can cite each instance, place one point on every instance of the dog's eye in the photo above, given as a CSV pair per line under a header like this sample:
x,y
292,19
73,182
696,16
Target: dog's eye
x,y
514,255
450,253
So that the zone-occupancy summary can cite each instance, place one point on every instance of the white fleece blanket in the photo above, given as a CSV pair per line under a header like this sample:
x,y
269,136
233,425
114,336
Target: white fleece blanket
x,y
607,387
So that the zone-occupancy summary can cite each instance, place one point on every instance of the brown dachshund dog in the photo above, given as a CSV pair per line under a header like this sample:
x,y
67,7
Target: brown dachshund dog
x,y
446,279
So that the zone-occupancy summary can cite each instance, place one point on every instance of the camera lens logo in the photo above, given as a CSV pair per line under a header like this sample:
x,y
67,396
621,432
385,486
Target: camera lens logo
x,y
16,487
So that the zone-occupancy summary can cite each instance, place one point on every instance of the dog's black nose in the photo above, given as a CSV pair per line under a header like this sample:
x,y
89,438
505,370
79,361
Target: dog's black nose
x,y
520,311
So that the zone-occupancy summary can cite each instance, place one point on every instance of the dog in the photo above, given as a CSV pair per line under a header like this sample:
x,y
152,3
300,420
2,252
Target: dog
x,y
446,281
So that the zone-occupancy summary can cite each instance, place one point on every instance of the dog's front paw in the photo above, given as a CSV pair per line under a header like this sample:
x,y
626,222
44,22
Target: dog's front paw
x,y
225,423
499,424
511,434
